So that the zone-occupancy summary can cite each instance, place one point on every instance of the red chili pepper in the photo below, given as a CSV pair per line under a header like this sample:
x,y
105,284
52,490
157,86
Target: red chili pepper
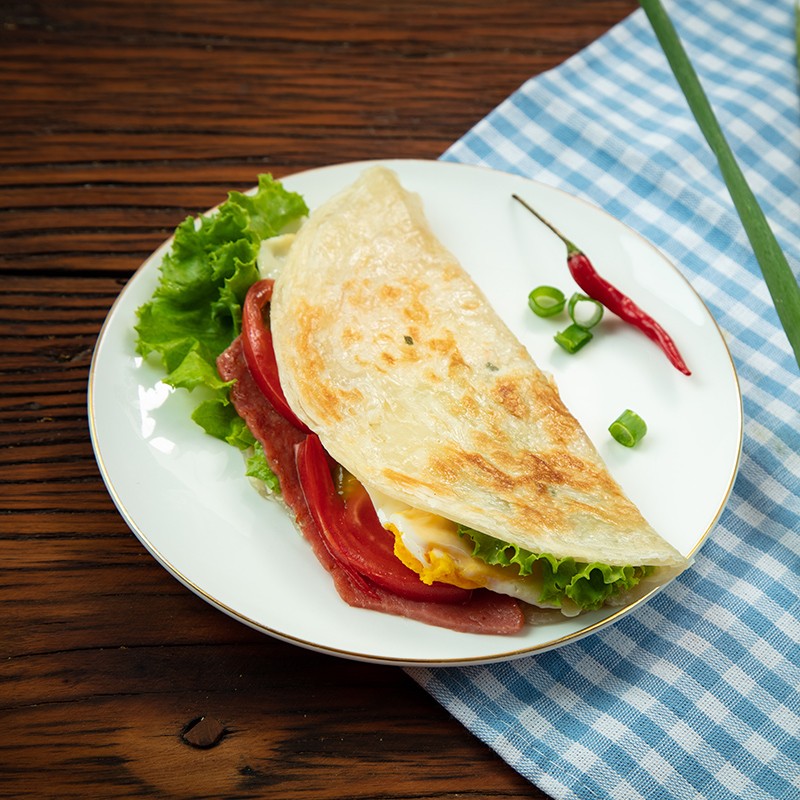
x,y
598,288
356,537
258,351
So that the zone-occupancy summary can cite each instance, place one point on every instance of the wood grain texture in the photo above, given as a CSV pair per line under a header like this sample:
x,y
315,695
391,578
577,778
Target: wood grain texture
x,y
120,118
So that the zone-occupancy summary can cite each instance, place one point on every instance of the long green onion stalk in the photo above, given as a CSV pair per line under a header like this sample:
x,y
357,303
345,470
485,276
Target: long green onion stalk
x,y
778,275
797,32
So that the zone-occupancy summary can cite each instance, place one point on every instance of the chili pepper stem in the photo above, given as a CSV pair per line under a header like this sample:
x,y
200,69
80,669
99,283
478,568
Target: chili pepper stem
x,y
572,249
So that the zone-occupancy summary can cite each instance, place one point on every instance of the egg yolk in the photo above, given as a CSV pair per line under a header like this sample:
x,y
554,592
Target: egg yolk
x,y
440,565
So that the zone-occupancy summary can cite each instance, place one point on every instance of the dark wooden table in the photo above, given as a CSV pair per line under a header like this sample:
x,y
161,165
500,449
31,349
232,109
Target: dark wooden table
x,y
117,119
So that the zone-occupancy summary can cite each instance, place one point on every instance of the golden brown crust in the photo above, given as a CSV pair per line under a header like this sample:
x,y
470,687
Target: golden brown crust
x,y
391,353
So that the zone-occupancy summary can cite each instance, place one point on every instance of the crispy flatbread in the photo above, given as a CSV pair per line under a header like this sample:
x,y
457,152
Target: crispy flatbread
x,y
389,351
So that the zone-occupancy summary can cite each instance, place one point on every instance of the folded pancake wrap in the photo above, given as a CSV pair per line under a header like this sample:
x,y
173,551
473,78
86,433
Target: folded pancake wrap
x,y
389,351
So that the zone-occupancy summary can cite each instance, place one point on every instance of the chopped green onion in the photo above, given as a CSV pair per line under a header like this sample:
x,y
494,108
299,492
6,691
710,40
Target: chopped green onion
x,y
573,338
546,301
778,275
628,428
587,302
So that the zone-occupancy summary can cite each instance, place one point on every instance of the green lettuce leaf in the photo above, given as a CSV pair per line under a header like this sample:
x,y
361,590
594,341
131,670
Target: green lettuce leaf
x,y
196,309
206,273
218,418
587,585
258,467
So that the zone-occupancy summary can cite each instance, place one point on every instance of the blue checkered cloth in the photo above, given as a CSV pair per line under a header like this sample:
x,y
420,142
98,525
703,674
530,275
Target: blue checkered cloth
x,y
695,693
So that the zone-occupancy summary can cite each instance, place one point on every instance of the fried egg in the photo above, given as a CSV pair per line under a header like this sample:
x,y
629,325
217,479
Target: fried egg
x,y
430,545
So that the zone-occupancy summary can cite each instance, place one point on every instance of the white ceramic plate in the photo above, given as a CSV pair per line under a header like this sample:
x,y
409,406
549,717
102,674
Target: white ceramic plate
x,y
185,496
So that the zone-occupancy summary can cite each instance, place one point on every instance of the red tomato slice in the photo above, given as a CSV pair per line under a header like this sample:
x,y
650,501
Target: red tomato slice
x,y
258,351
355,535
